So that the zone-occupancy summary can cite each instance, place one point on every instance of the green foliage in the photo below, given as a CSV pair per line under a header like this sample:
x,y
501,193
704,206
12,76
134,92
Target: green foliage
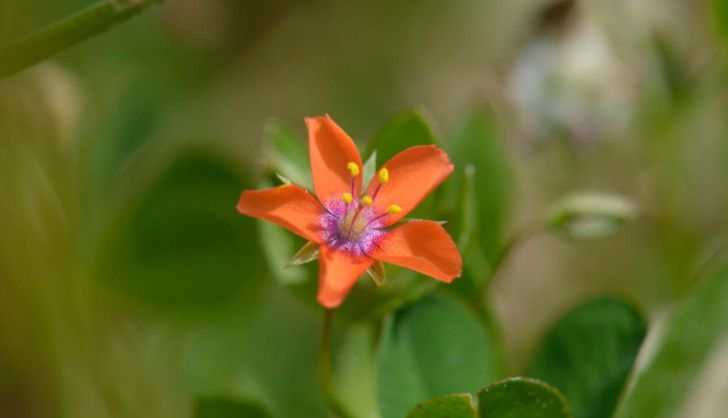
x,y
288,154
220,407
407,129
589,353
697,327
433,348
451,406
522,398
478,144
181,253
90,22
516,397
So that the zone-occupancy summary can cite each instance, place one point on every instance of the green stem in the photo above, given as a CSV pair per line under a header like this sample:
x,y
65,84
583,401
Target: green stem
x,y
332,401
34,48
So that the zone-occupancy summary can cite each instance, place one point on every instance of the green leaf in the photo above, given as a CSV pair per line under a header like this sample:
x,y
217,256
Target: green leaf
x,y
694,331
181,245
355,369
46,42
289,155
308,253
221,407
522,398
452,406
479,144
433,348
476,266
405,130
590,215
370,167
720,13
378,273
589,353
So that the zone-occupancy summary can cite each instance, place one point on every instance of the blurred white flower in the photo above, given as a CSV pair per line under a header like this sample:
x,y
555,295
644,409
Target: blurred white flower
x,y
573,83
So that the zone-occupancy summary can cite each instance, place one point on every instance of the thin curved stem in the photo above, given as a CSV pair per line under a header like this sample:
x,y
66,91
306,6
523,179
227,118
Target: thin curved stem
x,y
46,42
332,401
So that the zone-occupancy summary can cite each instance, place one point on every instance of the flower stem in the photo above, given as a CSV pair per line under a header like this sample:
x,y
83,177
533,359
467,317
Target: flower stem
x,y
44,43
332,401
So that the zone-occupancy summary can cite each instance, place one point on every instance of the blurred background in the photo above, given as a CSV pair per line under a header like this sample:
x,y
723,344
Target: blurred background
x,y
129,286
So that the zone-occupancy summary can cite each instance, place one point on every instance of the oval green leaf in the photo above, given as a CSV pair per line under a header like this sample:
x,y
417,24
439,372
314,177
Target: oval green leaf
x,y
452,406
522,398
589,353
182,245
478,144
433,348
405,130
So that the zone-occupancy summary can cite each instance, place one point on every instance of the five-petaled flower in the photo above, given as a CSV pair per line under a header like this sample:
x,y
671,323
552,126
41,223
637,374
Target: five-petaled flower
x,y
353,229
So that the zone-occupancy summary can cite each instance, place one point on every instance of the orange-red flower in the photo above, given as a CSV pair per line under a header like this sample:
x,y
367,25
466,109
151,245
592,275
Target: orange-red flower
x,y
353,229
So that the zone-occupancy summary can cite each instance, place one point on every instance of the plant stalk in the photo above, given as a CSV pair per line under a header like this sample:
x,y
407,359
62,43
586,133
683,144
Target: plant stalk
x,y
332,401
38,46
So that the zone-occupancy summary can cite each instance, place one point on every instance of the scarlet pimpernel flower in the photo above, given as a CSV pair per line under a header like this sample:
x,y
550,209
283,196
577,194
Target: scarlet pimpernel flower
x,y
354,229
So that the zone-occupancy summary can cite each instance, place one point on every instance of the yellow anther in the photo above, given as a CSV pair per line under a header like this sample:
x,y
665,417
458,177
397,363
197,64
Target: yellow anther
x,y
383,175
347,197
394,209
353,169
366,200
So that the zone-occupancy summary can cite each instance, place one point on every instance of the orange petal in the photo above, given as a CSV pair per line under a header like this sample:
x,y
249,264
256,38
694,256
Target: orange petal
x,y
413,174
289,206
423,246
331,149
338,271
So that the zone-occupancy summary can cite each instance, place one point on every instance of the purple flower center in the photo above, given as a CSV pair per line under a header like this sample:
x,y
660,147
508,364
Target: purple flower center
x,y
351,227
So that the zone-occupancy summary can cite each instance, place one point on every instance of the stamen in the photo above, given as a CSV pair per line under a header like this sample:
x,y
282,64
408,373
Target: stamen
x,y
394,209
383,179
383,176
353,169
347,198
366,200
391,210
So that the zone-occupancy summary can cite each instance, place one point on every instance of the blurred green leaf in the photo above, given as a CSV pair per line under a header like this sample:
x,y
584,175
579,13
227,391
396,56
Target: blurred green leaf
x,y
475,264
522,398
220,407
355,369
451,406
87,23
696,327
433,348
479,144
590,215
182,245
720,13
405,130
589,353
289,155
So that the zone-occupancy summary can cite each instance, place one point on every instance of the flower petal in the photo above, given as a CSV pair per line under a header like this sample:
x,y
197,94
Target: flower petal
x,y
289,206
413,174
423,246
338,271
331,149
